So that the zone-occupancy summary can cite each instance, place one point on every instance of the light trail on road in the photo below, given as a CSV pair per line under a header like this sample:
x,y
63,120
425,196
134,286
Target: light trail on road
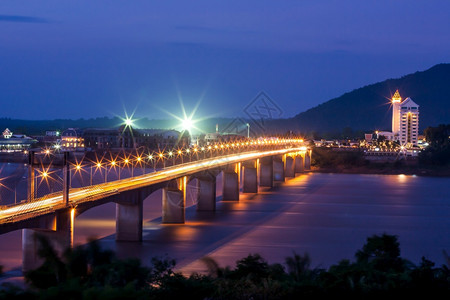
x,y
95,192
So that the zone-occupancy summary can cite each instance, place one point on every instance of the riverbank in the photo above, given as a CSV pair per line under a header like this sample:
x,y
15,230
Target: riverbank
x,y
386,169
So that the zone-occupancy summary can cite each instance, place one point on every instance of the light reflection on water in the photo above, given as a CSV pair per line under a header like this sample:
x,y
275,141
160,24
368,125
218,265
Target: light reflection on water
x,y
328,215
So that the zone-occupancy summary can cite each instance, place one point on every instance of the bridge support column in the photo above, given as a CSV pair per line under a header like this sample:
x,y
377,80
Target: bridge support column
x,y
307,160
290,165
278,169
298,164
57,230
266,172
250,177
129,218
174,202
206,200
230,186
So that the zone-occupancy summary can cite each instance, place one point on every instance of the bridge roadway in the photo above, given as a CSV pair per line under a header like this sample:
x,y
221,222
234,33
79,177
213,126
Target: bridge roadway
x,y
54,202
53,216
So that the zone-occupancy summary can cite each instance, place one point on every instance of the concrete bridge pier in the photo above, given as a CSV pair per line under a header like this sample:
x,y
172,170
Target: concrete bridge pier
x,y
278,168
230,185
289,166
129,218
57,229
174,201
266,172
307,160
206,197
298,164
250,177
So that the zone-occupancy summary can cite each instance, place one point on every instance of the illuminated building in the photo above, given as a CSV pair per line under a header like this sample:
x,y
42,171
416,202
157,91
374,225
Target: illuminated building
x,y
15,142
72,140
405,120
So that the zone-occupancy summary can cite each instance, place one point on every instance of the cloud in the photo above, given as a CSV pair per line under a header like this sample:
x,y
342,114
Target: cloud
x,y
22,19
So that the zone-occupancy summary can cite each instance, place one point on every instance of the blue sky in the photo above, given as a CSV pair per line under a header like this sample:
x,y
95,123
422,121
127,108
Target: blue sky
x,y
74,59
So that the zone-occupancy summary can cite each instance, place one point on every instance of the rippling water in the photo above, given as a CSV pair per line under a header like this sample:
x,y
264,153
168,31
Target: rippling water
x,y
327,215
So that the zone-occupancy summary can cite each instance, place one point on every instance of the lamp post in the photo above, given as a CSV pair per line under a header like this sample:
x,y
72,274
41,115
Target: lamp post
x,y
248,130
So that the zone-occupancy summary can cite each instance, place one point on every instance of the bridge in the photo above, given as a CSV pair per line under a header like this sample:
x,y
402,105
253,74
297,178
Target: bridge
x,y
242,166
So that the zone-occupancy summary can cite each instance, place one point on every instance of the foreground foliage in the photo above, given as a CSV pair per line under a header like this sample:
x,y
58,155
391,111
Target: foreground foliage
x,y
92,273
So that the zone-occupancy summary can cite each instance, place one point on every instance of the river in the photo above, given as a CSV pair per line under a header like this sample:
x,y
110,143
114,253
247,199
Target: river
x,y
328,216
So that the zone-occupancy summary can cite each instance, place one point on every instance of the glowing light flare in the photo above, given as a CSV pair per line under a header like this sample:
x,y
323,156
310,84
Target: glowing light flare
x,y
45,175
128,122
187,124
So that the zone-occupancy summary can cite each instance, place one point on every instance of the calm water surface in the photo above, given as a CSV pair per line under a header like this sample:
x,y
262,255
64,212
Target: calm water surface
x,y
327,215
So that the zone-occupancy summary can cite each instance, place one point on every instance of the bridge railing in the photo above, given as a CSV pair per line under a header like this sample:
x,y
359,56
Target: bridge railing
x,y
44,179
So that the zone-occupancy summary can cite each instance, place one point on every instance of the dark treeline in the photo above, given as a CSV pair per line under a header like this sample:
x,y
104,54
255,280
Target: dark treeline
x,y
89,272
438,151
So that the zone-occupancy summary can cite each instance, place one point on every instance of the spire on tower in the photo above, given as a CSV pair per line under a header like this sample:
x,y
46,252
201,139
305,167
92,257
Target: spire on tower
x,y
396,97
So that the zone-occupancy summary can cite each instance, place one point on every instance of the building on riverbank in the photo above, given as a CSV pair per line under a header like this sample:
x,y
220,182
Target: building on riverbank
x,y
10,142
405,122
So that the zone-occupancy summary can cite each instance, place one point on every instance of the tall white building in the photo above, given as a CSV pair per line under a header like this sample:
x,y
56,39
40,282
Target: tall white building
x,y
405,120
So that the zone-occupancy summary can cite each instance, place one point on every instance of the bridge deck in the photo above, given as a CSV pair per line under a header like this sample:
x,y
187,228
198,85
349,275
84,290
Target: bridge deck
x,y
53,202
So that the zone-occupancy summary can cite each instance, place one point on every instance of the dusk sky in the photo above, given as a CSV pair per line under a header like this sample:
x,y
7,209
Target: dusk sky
x,y
83,59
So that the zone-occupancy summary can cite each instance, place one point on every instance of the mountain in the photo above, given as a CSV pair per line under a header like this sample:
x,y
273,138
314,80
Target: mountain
x,y
368,108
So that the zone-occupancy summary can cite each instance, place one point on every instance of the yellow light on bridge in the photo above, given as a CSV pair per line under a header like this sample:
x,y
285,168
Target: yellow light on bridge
x,y
161,155
44,174
78,167
113,163
179,152
188,151
99,165
139,158
170,153
209,147
150,156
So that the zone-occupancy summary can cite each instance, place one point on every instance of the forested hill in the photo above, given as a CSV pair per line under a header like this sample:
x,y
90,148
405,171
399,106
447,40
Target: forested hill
x,y
368,108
